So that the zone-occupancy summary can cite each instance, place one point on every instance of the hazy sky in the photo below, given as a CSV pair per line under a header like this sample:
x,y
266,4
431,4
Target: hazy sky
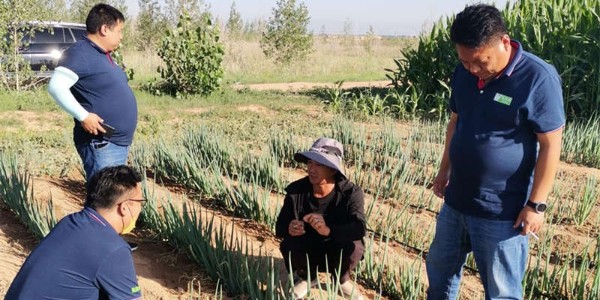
x,y
388,17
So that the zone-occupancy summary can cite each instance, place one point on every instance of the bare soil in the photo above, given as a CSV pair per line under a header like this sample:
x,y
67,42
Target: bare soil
x,y
165,273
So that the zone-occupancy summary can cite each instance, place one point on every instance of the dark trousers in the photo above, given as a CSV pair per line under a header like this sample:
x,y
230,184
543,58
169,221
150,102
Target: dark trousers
x,y
335,257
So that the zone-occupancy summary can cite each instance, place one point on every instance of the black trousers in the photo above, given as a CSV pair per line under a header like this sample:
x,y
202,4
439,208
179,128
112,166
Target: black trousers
x,y
322,256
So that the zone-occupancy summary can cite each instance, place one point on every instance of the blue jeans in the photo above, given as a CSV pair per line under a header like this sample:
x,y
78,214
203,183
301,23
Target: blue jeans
x,y
499,250
99,154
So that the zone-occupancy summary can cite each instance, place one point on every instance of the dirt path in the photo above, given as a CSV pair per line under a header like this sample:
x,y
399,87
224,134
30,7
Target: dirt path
x,y
299,86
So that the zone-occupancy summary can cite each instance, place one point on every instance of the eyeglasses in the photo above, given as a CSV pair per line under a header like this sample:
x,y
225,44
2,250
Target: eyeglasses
x,y
142,201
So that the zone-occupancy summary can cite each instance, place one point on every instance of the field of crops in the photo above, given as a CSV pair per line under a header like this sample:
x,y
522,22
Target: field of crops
x,y
216,169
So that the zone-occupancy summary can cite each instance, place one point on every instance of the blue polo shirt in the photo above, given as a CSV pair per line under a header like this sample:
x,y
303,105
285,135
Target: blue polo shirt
x,y
83,257
102,89
494,148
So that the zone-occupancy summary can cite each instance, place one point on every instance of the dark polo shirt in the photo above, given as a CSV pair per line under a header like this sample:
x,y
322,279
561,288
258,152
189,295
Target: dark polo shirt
x,y
494,148
83,257
102,89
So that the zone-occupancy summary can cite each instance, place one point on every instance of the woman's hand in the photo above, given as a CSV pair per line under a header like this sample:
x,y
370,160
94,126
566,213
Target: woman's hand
x,y
296,228
318,223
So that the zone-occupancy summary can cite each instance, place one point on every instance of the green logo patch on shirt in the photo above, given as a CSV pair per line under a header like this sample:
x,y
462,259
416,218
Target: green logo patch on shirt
x,y
136,289
506,100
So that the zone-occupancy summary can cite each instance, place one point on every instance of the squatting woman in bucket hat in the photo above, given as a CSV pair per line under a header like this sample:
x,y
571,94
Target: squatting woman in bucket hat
x,y
322,221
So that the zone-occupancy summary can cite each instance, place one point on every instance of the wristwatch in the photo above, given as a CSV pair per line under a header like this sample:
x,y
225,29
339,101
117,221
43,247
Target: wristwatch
x,y
539,207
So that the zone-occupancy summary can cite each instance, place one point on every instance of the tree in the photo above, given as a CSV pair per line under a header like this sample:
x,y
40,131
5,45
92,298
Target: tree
x,y
234,23
15,72
286,38
348,38
57,10
369,40
254,28
193,56
79,9
151,25
176,8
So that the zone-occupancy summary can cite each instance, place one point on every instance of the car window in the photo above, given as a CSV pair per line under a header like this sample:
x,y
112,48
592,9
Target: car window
x,y
78,33
44,36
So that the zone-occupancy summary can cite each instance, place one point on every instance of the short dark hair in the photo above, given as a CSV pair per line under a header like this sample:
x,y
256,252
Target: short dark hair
x,y
476,25
107,185
102,14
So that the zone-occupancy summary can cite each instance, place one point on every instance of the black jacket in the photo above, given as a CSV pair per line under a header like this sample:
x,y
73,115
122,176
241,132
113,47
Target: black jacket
x,y
345,214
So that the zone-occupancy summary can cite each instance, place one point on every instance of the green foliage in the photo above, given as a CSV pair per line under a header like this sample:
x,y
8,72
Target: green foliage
x,y
286,38
57,9
193,55
564,32
567,34
118,58
176,8
234,25
369,40
384,102
254,29
581,142
15,72
425,71
16,192
79,9
150,25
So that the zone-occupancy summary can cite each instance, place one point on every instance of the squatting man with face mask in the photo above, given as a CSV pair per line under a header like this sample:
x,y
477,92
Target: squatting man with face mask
x,y
84,257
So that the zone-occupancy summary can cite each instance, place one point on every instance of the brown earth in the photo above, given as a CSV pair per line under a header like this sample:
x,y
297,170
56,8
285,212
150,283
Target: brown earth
x,y
166,273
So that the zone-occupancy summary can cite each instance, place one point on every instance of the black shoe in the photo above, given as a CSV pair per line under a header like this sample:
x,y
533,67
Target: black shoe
x,y
133,246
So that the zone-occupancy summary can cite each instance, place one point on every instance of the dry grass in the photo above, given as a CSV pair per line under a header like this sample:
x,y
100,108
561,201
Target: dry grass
x,y
333,59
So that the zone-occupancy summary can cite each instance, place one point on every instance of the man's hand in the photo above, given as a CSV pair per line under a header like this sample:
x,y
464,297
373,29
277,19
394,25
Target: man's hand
x,y
296,228
318,223
440,183
530,220
91,124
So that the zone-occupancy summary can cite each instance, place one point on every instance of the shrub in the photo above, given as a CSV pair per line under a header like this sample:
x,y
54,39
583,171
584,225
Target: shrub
x,y
192,56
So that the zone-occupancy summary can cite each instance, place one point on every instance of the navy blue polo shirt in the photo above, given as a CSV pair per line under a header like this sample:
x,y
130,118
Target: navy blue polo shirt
x,y
494,148
83,257
102,89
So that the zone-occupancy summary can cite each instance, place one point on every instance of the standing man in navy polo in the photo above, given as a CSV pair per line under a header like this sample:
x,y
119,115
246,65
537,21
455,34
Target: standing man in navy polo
x,y
83,257
93,89
502,150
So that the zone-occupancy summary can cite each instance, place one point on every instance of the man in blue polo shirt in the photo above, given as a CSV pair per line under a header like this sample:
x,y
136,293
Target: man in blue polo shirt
x,y
502,150
83,257
93,89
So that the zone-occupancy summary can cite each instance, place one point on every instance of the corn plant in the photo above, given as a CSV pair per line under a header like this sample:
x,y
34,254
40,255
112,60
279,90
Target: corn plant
x,y
560,31
564,32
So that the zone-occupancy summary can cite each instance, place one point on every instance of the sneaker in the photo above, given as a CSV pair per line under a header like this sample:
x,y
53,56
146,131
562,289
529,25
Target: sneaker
x,y
301,287
133,246
350,290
